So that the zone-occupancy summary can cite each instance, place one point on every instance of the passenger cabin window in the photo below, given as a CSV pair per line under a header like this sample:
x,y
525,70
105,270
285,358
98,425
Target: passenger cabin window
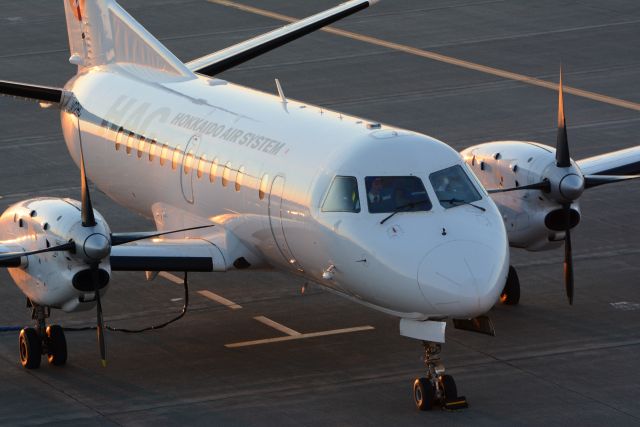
x,y
141,146
387,194
239,178
164,154
453,187
264,183
342,196
202,165
177,158
119,137
152,150
226,174
188,163
130,141
214,170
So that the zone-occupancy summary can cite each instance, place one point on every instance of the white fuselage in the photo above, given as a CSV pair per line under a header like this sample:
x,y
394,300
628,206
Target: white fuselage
x,y
260,168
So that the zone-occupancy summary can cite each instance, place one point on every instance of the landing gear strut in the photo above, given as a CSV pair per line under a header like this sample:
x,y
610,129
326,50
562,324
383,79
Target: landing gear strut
x,y
511,292
437,388
41,340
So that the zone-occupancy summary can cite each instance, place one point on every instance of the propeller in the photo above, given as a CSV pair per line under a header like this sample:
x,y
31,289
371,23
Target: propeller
x,y
563,160
88,221
15,256
567,186
543,185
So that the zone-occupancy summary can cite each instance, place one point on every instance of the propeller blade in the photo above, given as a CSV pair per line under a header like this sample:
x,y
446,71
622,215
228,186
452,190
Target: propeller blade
x,y
123,238
88,219
568,258
100,321
17,255
563,159
544,186
591,181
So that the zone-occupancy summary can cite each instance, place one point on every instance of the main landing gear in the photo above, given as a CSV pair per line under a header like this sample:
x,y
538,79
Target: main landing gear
x,y
511,292
437,389
41,340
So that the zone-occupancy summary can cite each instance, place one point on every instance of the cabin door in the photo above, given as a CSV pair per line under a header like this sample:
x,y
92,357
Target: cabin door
x,y
276,218
187,168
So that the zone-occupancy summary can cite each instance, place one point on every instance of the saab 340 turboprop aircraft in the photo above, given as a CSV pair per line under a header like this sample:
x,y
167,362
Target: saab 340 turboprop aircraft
x,y
239,179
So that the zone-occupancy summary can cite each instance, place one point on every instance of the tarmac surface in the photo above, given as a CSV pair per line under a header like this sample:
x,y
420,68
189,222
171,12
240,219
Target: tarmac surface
x,y
440,67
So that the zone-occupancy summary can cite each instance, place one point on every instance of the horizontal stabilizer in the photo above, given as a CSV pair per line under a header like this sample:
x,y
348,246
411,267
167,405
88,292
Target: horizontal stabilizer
x,y
233,56
28,91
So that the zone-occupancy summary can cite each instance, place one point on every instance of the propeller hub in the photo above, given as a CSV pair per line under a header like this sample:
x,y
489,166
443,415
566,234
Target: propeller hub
x,y
96,247
571,186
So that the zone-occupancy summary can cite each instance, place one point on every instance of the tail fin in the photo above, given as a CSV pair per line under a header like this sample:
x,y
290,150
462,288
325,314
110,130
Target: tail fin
x,y
101,32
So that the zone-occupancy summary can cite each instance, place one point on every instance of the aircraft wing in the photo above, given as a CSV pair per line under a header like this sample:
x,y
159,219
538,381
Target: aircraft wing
x,y
168,255
230,57
611,167
29,91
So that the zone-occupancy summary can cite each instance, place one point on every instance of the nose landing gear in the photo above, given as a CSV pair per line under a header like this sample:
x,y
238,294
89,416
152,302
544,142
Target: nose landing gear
x,y
41,340
437,388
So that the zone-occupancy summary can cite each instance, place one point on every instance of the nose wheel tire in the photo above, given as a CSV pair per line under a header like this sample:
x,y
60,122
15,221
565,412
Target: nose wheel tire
x,y
511,292
424,394
56,345
30,348
437,388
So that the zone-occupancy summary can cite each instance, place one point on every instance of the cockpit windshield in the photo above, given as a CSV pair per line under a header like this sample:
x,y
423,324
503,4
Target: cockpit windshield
x,y
453,187
342,196
386,194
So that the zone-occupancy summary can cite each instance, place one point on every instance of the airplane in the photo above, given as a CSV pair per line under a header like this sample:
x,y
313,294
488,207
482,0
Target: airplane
x,y
238,179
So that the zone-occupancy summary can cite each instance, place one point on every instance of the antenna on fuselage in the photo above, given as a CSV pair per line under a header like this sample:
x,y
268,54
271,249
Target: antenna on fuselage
x,y
281,92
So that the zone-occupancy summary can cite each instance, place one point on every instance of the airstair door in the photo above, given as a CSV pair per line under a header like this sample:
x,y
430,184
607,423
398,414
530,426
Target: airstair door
x,y
187,168
276,220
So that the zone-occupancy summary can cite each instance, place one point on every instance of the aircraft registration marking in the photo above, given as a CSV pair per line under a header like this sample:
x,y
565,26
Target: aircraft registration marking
x,y
441,58
301,336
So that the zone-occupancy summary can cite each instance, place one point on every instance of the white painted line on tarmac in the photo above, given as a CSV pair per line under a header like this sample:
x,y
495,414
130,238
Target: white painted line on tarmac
x,y
277,326
171,277
299,337
220,299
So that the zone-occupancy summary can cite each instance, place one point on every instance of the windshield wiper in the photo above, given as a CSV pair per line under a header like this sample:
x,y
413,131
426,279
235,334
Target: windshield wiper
x,y
403,207
459,202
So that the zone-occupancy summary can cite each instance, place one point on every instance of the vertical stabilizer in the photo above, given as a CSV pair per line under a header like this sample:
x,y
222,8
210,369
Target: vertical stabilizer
x,y
102,33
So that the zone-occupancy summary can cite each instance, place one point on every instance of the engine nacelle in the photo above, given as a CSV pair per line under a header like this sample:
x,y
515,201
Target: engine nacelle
x,y
534,219
56,279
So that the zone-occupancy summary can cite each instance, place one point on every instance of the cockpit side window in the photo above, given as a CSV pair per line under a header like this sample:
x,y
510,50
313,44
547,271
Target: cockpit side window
x,y
453,187
342,196
386,194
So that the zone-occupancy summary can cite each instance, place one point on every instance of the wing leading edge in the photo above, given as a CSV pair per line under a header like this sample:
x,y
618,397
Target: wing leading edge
x,y
230,57
611,167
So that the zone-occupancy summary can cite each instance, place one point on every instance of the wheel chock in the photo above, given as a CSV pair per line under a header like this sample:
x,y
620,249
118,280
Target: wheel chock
x,y
459,402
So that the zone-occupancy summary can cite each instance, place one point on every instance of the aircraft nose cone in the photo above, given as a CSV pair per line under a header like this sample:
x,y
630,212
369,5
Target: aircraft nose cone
x,y
462,278
571,186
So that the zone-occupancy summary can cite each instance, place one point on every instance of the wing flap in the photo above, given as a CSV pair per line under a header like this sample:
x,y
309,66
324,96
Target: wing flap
x,y
230,57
